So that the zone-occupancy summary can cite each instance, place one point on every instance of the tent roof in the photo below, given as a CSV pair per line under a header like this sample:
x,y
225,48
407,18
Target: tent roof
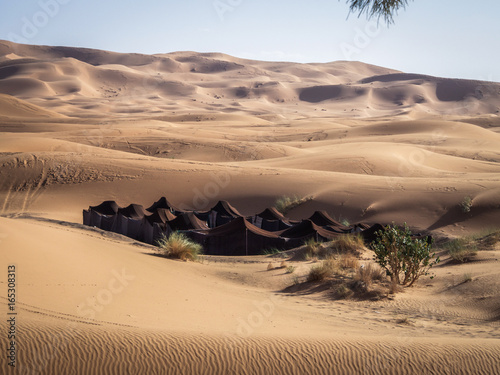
x,y
307,228
160,215
187,221
238,225
163,203
322,219
106,208
133,211
224,208
272,213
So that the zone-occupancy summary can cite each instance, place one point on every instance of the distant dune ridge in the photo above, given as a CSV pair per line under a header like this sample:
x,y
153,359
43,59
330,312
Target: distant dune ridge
x,y
363,143
52,76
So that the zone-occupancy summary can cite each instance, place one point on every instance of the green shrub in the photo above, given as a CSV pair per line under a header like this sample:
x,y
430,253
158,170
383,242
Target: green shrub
x,y
461,249
466,204
287,203
178,246
404,258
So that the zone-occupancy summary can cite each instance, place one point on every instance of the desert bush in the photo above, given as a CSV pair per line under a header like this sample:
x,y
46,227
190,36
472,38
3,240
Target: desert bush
x,y
313,248
466,204
461,249
270,267
467,278
343,291
322,271
271,251
290,269
369,273
286,203
404,258
178,246
348,261
347,243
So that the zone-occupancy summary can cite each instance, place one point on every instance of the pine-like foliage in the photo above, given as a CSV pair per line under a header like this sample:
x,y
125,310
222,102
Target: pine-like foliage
x,y
378,8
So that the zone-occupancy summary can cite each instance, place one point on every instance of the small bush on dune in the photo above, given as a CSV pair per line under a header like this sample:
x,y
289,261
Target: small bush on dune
x,y
178,246
466,204
347,243
348,261
461,249
313,249
404,258
287,203
369,273
323,271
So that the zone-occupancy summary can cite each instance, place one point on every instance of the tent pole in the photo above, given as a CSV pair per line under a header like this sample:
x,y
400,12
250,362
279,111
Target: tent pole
x,y
246,241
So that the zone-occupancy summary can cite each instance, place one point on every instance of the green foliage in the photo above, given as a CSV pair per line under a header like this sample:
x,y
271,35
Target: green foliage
x,y
271,251
404,258
287,203
378,8
178,246
466,204
461,249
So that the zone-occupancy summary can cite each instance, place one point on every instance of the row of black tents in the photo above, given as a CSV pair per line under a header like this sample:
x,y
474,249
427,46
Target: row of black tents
x,y
222,230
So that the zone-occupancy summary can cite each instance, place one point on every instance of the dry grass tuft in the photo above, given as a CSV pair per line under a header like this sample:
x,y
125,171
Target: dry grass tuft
x,y
343,292
287,203
348,261
369,273
313,249
322,271
178,246
270,267
347,243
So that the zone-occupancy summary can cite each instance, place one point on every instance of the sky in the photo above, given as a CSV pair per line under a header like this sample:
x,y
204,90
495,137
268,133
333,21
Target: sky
x,y
446,38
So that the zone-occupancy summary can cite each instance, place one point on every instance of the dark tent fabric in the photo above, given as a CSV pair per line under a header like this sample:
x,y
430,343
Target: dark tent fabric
x,y
164,203
95,219
239,237
106,208
222,230
307,229
270,219
134,228
86,217
322,219
369,234
187,221
107,222
272,214
225,209
133,211
120,224
160,215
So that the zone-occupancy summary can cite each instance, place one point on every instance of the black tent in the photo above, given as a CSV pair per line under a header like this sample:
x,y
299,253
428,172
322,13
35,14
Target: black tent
x,y
164,203
106,208
239,237
187,221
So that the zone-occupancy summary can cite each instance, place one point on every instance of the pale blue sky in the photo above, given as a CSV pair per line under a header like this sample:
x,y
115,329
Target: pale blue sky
x,y
448,38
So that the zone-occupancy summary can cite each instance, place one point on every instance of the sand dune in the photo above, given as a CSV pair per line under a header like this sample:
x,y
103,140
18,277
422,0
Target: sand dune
x,y
365,143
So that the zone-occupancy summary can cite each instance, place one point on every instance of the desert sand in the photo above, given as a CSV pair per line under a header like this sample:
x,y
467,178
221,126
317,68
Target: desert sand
x,y
368,144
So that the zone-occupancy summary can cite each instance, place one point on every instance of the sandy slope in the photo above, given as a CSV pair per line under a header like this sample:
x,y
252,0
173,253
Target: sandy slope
x,y
367,143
